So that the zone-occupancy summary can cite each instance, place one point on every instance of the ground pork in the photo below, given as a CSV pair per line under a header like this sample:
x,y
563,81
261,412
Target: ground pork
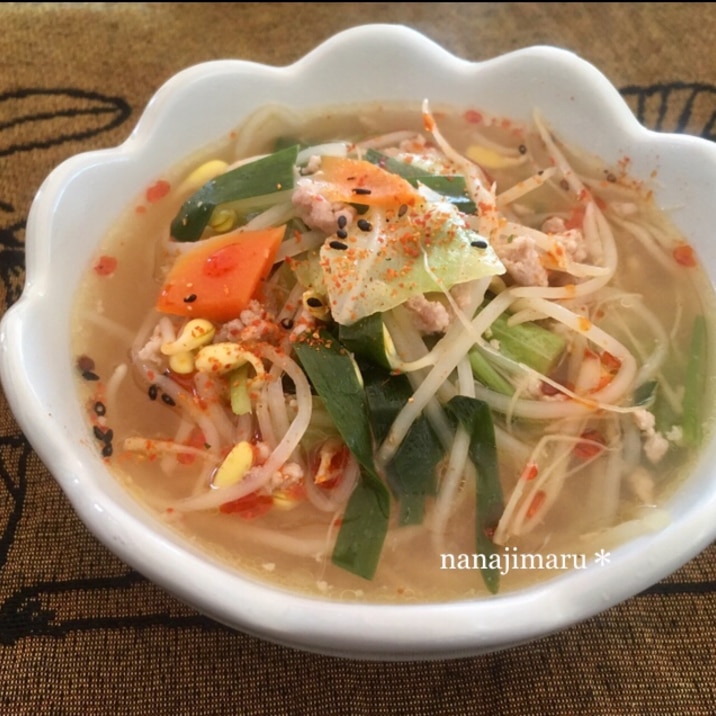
x,y
428,316
655,444
253,324
572,241
316,211
522,260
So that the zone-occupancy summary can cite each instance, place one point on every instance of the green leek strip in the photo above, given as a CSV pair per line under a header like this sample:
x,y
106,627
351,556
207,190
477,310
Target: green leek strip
x,y
483,370
363,527
335,377
366,339
411,472
695,385
476,418
528,343
254,185
452,188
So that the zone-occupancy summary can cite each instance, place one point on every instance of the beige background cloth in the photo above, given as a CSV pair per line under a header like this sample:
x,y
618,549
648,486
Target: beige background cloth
x,y
82,633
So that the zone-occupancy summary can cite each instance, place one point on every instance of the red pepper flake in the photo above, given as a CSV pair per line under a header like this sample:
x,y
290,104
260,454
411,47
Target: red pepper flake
x,y
248,507
549,389
157,191
473,116
536,504
105,266
585,450
611,363
196,440
141,209
530,472
684,255
576,218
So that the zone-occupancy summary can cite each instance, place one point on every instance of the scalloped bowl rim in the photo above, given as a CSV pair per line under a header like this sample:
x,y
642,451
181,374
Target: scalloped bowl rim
x,y
43,402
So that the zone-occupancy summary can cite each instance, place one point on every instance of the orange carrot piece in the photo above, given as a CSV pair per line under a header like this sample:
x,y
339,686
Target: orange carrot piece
x,y
217,279
360,182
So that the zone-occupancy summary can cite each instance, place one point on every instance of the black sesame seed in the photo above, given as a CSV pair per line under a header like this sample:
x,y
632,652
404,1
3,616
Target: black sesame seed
x,y
153,392
564,184
365,225
107,450
287,323
100,408
168,399
611,178
342,234
402,209
90,375
99,433
190,298
479,244
362,191
108,435
85,363
314,302
342,221
522,149
338,245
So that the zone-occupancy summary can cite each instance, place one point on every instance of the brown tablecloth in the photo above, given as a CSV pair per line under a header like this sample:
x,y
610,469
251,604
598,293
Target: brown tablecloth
x,y
82,633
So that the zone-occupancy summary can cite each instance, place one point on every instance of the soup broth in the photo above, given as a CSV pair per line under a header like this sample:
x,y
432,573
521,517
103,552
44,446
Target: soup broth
x,y
529,296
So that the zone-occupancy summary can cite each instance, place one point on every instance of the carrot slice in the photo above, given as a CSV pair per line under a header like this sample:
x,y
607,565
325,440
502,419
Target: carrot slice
x,y
217,279
360,182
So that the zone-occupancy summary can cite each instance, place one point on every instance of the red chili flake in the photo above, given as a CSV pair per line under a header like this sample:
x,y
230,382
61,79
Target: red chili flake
x,y
141,209
473,116
611,363
684,255
197,440
576,218
157,191
105,266
587,450
183,380
220,263
248,507
536,504
295,492
549,389
530,472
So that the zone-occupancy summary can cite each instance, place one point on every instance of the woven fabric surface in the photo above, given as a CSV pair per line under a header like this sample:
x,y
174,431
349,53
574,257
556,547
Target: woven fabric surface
x,y
81,632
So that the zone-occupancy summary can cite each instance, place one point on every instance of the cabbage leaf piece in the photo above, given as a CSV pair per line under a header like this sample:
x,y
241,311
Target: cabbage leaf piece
x,y
392,256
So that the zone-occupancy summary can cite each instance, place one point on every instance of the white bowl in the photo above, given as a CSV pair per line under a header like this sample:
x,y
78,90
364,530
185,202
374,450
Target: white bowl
x,y
81,198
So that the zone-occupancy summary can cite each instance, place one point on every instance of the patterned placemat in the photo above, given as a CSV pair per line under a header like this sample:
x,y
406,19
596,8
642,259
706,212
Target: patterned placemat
x,y
82,633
